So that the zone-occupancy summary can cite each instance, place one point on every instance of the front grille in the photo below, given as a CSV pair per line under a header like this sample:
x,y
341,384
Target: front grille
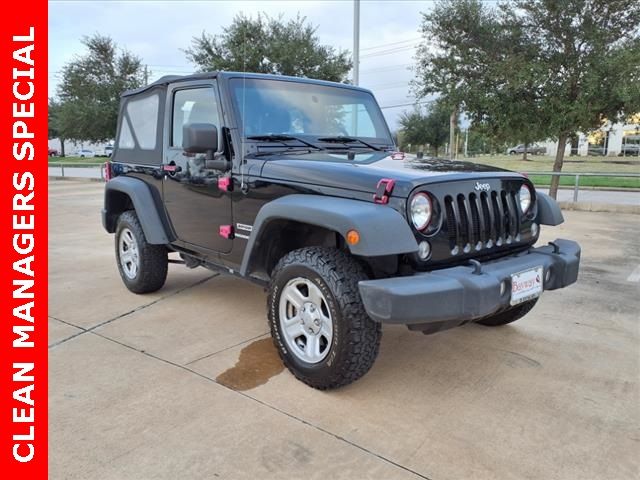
x,y
481,220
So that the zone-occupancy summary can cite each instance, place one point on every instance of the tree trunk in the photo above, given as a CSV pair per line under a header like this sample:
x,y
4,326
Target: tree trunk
x,y
453,120
436,151
62,147
557,164
524,154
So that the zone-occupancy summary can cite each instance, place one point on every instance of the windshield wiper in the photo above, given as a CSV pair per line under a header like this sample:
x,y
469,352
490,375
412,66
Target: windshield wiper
x,y
283,138
343,139
300,150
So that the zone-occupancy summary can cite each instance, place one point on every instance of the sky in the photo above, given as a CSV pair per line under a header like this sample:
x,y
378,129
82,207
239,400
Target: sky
x,y
157,31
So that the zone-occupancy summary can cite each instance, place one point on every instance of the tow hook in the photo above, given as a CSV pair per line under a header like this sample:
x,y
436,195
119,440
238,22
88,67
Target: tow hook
x,y
477,267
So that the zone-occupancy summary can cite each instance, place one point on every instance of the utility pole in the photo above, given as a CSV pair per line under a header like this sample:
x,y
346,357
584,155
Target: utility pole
x,y
466,140
146,74
356,42
453,121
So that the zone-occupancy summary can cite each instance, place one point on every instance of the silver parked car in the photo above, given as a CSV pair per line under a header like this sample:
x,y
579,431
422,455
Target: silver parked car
x,y
84,153
532,149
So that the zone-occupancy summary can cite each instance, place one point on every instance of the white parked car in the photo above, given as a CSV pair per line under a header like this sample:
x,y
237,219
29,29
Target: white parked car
x,y
84,153
105,152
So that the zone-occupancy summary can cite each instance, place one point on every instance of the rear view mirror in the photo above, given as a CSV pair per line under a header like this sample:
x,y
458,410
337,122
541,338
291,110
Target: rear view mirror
x,y
200,138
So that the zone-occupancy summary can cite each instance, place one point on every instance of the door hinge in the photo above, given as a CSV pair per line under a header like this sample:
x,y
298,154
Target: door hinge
x,y
225,184
226,231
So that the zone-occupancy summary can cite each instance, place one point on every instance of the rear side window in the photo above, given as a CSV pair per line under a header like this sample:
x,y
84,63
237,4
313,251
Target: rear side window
x,y
142,126
193,105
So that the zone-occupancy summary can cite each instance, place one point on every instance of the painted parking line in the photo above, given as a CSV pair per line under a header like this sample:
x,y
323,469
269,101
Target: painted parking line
x,y
635,275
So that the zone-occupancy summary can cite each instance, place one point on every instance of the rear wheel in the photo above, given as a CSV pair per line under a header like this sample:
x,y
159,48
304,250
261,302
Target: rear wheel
x,y
143,267
317,320
508,316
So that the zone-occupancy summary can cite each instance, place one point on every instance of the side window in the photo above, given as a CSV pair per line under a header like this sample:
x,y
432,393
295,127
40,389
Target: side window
x,y
143,115
193,105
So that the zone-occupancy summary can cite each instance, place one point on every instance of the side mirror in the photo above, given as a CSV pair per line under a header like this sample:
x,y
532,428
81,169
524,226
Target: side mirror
x,y
200,138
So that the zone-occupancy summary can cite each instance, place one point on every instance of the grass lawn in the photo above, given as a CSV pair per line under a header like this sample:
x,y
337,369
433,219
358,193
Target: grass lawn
x,y
571,165
77,161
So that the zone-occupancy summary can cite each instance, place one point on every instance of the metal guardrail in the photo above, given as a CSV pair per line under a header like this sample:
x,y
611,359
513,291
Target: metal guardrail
x,y
576,185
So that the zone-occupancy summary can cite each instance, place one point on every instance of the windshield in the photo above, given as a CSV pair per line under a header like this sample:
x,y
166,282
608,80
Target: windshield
x,y
276,107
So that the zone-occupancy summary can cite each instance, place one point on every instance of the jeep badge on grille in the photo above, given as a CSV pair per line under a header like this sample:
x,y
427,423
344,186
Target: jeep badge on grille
x,y
482,187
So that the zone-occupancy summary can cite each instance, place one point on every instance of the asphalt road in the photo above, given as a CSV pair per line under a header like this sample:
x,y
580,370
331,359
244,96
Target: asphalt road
x,y
185,383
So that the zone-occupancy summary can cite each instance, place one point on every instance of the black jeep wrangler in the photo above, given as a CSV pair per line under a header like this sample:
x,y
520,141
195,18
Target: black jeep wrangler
x,y
295,184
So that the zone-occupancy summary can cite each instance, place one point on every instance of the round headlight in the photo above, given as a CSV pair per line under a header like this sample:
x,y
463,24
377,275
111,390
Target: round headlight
x,y
421,210
525,198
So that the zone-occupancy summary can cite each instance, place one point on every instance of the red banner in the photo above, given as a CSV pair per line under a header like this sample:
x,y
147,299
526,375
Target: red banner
x,y
23,240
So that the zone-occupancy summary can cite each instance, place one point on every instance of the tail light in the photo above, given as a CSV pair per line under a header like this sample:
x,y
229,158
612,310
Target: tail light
x,y
108,174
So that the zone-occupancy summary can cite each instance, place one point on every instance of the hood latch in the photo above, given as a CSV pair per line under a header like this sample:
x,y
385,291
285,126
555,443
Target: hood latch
x,y
383,190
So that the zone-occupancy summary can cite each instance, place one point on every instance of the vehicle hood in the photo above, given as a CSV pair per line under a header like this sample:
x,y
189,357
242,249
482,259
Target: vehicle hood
x,y
367,169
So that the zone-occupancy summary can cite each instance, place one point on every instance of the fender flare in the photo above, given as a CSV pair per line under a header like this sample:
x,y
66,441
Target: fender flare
x,y
549,212
144,204
383,231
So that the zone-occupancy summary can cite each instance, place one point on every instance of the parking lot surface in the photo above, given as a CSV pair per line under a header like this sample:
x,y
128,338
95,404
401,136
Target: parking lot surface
x,y
185,383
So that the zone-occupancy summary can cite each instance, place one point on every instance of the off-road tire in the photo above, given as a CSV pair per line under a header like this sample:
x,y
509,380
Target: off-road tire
x,y
508,316
153,263
356,338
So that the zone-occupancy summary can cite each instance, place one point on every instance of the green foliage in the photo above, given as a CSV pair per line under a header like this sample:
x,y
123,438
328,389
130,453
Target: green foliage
x,y
426,126
55,123
89,93
482,141
54,119
269,45
532,69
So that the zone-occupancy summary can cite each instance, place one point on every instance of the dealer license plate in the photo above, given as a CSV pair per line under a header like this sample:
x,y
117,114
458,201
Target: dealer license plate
x,y
526,285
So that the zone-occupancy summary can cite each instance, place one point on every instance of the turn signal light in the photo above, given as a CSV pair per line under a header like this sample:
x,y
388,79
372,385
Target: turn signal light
x,y
353,237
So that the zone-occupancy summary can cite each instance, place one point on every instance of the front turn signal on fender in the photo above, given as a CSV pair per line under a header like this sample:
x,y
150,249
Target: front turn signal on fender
x,y
353,237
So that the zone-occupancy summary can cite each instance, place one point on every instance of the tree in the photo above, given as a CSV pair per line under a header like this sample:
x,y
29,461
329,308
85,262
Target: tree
x,y
54,123
426,126
269,45
533,69
89,93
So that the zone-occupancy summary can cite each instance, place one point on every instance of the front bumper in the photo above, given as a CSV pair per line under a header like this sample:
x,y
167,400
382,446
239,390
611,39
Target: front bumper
x,y
463,293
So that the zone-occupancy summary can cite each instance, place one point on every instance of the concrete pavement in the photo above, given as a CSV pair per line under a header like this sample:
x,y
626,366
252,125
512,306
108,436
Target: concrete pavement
x,y
184,383
585,195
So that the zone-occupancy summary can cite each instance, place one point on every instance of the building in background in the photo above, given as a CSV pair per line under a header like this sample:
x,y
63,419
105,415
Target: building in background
x,y
611,140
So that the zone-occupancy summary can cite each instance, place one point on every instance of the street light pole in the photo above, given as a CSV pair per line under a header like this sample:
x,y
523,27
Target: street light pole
x,y
356,42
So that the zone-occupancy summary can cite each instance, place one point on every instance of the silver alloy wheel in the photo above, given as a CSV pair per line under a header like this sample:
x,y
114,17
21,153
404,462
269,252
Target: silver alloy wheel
x,y
128,253
305,320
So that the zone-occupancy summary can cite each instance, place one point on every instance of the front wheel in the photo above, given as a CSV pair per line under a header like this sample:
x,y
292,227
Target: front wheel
x,y
318,323
143,267
508,316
